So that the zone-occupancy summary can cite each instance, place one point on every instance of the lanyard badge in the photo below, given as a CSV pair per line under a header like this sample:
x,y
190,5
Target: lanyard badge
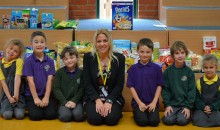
x,y
104,79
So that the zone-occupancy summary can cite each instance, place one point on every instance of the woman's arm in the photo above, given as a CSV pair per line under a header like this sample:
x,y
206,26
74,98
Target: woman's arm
x,y
90,90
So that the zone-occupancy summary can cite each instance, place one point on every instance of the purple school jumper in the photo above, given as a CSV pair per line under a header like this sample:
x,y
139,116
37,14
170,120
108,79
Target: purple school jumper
x,y
40,72
145,79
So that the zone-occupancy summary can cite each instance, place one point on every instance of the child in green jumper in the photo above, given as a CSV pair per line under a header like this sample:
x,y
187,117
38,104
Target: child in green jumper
x,y
68,88
180,88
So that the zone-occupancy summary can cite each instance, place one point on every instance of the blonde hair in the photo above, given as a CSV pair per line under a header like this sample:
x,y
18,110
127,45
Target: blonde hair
x,y
109,38
18,43
209,58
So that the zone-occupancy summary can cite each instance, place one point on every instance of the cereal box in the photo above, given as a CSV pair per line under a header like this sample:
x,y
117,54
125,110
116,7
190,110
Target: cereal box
x,y
122,15
47,21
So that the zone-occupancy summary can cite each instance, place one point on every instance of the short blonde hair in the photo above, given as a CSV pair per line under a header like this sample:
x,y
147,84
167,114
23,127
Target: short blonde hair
x,y
18,43
209,58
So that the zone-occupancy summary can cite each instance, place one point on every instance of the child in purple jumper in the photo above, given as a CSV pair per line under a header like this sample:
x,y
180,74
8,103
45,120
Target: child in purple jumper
x,y
145,81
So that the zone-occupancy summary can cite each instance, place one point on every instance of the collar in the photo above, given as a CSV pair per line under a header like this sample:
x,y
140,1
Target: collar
x,y
71,72
142,65
215,79
4,62
184,65
36,59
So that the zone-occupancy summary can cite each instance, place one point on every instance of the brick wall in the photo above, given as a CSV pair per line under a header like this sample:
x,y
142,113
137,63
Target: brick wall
x,y
148,9
86,9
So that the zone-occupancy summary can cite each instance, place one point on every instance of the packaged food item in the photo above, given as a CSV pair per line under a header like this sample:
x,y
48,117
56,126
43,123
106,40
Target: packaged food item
x,y
47,21
196,64
156,52
1,54
122,46
6,21
33,18
122,15
209,42
69,24
14,16
26,17
134,48
165,56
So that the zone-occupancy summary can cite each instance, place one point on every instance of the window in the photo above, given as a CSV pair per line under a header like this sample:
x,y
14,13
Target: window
x,y
104,8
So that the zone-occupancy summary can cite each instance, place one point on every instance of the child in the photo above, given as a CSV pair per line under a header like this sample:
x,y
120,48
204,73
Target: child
x,y
207,104
39,70
12,98
68,88
180,89
145,80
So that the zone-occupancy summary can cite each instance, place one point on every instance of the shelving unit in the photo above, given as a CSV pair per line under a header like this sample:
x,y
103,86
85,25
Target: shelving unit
x,y
53,36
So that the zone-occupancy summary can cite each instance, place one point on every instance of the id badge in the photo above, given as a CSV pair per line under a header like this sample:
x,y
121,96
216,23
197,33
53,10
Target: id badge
x,y
104,92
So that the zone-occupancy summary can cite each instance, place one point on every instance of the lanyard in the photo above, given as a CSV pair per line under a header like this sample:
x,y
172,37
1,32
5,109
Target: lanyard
x,y
100,70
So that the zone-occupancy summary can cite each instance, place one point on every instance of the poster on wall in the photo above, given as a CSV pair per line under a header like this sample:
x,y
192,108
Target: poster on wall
x,y
122,15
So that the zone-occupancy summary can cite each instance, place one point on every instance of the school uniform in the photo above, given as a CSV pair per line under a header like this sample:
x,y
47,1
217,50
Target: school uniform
x,y
69,87
145,79
7,73
39,70
208,94
179,92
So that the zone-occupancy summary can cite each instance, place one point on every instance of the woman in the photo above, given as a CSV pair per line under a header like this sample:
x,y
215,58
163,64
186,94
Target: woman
x,y
103,75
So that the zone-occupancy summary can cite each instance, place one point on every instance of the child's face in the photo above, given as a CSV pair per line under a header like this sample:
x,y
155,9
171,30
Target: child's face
x,y
12,52
102,44
145,54
210,69
179,56
39,44
70,61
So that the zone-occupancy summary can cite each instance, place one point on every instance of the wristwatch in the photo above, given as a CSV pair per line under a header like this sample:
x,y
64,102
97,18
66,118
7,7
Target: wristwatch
x,y
109,101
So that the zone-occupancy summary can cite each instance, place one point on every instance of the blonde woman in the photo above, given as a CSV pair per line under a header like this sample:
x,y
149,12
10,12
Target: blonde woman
x,y
103,77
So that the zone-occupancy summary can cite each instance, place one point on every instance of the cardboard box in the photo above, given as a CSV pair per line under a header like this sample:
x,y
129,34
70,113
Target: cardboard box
x,y
122,15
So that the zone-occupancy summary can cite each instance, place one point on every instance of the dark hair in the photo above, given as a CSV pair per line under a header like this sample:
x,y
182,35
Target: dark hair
x,y
145,42
71,50
37,33
177,45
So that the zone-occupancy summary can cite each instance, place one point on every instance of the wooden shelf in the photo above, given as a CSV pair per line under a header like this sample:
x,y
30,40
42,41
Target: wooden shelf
x,y
193,38
24,34
189,13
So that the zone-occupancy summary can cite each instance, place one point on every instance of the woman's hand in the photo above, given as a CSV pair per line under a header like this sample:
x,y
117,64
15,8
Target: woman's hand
x,y
168,110
99,106
106,109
